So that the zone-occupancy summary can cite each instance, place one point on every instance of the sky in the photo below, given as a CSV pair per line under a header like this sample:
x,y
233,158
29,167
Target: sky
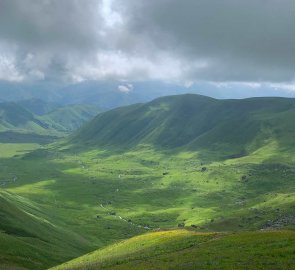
x,y
222,42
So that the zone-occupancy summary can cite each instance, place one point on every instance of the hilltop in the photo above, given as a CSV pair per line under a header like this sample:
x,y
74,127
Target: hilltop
x,y
192,122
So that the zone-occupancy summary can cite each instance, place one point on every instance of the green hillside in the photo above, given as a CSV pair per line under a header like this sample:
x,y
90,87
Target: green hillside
x,y
30,238
38,121
192,122
185,250
15,117
126,173
71,117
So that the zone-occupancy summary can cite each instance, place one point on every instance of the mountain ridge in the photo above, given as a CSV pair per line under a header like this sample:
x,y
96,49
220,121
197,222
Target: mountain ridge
x,y
193,122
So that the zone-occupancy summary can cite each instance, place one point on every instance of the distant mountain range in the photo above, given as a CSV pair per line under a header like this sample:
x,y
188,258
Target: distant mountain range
x,y
111,94
39,117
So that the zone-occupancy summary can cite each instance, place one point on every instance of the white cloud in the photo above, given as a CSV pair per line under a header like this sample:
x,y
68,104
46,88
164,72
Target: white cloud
x,y
8,70
125,88
285,86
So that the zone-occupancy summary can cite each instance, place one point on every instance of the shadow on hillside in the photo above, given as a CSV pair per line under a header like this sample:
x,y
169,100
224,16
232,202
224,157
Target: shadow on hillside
x,y
15,137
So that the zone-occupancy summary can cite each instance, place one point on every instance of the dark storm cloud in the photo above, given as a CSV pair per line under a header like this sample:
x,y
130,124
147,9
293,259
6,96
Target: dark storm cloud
x,y
40,37
47,23
235,40
176,40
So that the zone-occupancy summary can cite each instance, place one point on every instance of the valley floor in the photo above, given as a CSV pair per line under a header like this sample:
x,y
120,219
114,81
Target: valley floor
x,y
59,202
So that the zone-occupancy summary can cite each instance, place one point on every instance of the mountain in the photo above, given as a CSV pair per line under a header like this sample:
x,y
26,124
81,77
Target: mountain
x,y
27,120
38,106
193,122
70,117
15,117
16,91
188,176
111,94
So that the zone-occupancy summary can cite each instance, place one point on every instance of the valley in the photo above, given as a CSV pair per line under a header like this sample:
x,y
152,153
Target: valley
x,y
203,171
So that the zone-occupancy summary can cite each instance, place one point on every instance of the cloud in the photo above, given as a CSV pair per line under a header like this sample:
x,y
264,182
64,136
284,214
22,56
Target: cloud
x,y
238,40
51,24
125,88
45,35
181,41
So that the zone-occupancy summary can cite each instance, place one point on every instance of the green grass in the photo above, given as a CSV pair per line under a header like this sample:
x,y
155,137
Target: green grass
x,y
182,249
69,198
143,186
30,237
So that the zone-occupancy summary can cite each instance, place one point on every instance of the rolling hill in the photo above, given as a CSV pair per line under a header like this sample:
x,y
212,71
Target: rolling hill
x,y
71,117
37,118
208,167
192,122
180,249
15,117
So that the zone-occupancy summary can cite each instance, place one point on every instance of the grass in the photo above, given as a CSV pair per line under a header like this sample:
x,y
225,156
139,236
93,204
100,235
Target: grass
x,y
82,195
60,201
180,249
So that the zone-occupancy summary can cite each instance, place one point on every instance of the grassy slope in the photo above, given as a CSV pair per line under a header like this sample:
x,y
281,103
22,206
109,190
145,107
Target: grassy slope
x,y
182,249
30,237
87,190
73,187
15,117
71,117
192,122
20,124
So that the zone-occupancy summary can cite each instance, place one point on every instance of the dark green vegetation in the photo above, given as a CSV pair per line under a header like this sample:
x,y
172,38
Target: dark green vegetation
x,y
191,122
190,250
35,118
183,161
70,117
30,237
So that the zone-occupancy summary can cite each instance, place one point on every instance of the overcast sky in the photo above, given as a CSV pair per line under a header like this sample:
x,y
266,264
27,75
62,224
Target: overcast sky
x,y
183,41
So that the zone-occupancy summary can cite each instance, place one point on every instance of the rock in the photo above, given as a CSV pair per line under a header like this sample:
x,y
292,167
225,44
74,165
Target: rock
x,y
244,178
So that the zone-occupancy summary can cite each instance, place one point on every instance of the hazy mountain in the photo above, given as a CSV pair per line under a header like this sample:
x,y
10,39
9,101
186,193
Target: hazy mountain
x,y
111,94
38,106
40,117
15,117
70,117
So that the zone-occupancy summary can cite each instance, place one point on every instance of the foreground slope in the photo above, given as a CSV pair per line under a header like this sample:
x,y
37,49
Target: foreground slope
x,y
182,249
30,238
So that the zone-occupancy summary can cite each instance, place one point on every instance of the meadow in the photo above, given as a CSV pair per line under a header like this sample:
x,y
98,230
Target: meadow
x,y
66,201
147,168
